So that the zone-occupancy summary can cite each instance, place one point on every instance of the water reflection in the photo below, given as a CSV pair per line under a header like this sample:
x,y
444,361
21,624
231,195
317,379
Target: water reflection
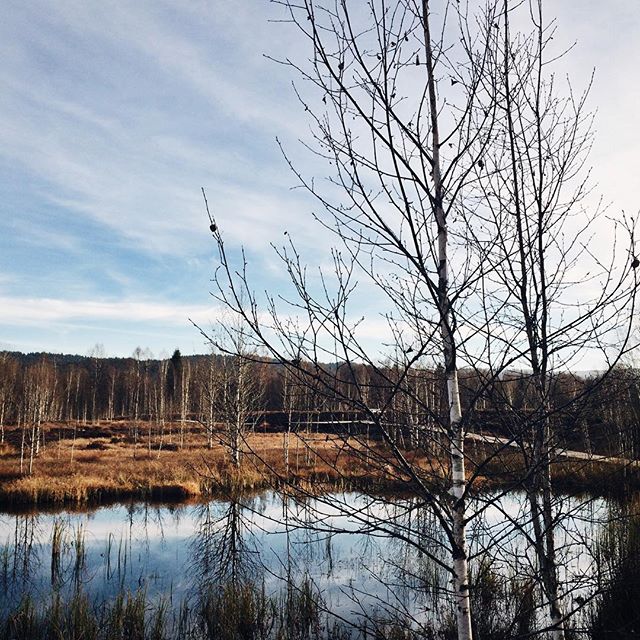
x,y
223,546
289,548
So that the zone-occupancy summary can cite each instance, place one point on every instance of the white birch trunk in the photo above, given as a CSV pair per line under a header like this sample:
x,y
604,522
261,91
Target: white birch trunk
x,y
458,486
458,478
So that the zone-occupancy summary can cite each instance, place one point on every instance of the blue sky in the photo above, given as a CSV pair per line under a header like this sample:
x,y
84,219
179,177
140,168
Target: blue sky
x,y
115,113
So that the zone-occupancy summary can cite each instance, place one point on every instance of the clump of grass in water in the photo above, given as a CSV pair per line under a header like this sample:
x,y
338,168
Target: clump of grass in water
x,y
233,612
300,611
128,617
504,606
615,613
23,623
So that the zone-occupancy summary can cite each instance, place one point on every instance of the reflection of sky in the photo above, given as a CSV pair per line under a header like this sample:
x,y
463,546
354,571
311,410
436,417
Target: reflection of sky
x,y
162,549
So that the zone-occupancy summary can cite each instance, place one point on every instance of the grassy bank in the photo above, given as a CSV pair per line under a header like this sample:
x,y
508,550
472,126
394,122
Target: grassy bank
x,y
104,463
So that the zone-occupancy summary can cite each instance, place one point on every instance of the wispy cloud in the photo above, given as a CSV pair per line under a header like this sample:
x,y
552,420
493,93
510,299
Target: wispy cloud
x,y
144,112
39,311
114,114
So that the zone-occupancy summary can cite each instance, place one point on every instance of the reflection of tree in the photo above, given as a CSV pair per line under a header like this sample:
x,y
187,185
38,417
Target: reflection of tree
x,y
232,602
20,557
411,588
223,549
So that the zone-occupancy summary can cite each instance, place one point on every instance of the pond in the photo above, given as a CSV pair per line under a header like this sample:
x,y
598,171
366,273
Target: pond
x,y
367,561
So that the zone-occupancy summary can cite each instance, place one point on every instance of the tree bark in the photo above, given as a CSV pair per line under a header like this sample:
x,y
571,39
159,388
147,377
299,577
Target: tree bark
x,y
456,431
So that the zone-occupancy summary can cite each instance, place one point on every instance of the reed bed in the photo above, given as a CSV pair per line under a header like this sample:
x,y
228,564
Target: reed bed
x,y
227,612
505,609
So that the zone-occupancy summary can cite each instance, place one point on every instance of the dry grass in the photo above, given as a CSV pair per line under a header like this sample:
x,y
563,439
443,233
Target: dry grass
x,y
506,469
104,464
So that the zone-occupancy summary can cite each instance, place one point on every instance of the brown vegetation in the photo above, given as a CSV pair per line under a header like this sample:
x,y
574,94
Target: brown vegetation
x,y
103,464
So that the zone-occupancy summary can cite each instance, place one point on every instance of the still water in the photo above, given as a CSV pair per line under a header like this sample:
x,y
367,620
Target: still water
x,y
361,554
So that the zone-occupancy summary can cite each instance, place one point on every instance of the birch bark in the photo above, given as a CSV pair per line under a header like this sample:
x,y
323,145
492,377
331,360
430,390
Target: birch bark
x,y
458,477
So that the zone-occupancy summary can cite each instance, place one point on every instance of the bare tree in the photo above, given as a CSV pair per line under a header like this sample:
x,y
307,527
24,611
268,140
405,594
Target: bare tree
x,y
39,391
233,387
455,169
8,381
383,66
530,206
97,354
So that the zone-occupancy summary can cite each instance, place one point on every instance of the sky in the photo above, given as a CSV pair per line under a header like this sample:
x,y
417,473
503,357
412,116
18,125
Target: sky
x,y
114,115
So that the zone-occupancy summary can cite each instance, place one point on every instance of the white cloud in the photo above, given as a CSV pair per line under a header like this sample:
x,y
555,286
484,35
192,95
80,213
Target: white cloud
x,y
129,138
39,311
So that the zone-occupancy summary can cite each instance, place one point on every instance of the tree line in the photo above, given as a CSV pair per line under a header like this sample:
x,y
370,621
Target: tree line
x,y
216,390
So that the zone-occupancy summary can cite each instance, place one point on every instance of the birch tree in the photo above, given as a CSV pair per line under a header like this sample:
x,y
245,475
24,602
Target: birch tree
x,y
534,187
8,383
401,144
454,170
233,387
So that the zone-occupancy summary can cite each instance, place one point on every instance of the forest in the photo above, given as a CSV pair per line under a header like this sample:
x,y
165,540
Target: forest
x,y
84,431
595,414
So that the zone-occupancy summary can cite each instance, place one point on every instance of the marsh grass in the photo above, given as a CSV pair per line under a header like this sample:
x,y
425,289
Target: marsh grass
x,y
128,617
106,467
237,611
506,607
227,612
615,613
103,465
